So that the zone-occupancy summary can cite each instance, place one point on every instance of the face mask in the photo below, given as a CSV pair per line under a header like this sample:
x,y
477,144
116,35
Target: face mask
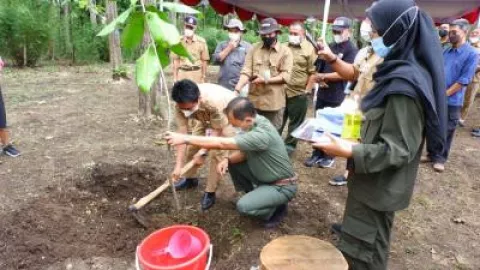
x,y
454,39
189,113
268,41
365,30
379,46
474,40
338,38
442,33
294,40
188,32
365,36
234,36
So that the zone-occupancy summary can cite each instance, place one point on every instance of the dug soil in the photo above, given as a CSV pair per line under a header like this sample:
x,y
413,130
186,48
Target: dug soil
x,y
87,157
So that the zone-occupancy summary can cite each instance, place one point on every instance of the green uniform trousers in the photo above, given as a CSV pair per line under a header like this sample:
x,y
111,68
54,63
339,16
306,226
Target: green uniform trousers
x,y
260,199
365,239
295,111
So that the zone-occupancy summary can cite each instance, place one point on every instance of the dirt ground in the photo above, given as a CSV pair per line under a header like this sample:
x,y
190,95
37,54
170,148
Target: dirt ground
x,y
86,157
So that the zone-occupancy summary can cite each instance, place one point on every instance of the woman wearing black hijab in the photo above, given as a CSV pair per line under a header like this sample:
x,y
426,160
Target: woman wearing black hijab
x,y
407,102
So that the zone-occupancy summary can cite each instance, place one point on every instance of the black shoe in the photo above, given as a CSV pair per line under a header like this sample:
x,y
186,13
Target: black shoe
x,y
208,200
11,151
338,181
476,134
312,161
336,228
186,183
476,130
325,163
277,217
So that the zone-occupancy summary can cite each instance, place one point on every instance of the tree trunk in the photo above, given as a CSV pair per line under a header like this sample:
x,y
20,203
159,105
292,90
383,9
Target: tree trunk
x,y
115,52
93,15
66,24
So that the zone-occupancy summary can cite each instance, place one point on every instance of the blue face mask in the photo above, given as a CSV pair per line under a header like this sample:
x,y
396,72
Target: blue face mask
x,y
379,47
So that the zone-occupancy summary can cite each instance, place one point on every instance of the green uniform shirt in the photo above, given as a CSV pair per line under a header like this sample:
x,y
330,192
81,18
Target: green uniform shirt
x,y
304,57
265,150
387,160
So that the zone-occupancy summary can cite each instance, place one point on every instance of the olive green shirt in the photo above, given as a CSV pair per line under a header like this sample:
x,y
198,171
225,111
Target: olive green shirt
x,y
386,162
304,57
265,151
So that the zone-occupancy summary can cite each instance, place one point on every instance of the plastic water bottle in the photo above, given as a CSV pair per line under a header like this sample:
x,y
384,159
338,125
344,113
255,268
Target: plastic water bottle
x,y
352,122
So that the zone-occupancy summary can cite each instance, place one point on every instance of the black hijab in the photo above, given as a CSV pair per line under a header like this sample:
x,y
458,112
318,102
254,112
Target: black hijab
x,y
414,66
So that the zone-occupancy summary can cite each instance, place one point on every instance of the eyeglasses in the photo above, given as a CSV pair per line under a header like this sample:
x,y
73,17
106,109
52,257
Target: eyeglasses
x,y
336,32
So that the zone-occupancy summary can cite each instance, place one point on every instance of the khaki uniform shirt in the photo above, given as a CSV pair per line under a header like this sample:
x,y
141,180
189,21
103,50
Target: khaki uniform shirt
x,y
365,66
213,100
197,48
278,61
304,57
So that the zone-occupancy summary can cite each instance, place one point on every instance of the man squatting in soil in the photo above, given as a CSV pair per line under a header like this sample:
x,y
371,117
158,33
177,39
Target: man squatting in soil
x,y
259,164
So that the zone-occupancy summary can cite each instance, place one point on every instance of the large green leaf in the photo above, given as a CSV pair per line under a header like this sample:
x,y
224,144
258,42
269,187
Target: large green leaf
x,y
119,20
163,56
163,15
180,8
180,50
162,31
132,35
147,69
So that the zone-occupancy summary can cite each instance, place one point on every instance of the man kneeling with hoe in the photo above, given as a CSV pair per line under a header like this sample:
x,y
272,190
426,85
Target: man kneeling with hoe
x,y
260,166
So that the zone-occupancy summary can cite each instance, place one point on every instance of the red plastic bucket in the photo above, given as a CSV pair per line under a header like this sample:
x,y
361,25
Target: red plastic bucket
x,y
147,260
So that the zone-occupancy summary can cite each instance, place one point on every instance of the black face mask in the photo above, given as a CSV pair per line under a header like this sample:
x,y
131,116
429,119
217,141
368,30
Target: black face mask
x,y
442,33
268,41
454,39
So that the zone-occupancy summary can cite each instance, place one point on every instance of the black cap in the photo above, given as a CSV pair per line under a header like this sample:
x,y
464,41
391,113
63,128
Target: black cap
x,y
190,20
341,23
268,25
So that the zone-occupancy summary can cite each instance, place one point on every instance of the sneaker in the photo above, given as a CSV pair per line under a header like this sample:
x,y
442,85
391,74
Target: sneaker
x,y
186,183
326,162
476,130
425,159
461,123
439,167
277,217
11,151
476,134
311,161
336,228
338,181
208,200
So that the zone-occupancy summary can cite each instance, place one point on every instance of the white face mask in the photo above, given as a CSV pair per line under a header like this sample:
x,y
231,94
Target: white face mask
x,y
234,36
338,38
188,32
189,113
294,40
474,40
365,30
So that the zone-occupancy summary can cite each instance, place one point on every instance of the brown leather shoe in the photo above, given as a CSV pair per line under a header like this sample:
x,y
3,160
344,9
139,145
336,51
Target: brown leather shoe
x,y
425,159
439,167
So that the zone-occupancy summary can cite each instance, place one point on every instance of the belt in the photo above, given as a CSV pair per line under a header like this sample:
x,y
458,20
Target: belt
x,y
190,68
286,181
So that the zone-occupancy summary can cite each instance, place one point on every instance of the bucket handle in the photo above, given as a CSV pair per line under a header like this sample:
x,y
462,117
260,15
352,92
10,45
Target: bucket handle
x,y
210,256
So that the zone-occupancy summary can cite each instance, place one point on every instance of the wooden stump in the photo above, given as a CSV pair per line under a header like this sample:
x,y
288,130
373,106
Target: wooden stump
x,y
299,252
